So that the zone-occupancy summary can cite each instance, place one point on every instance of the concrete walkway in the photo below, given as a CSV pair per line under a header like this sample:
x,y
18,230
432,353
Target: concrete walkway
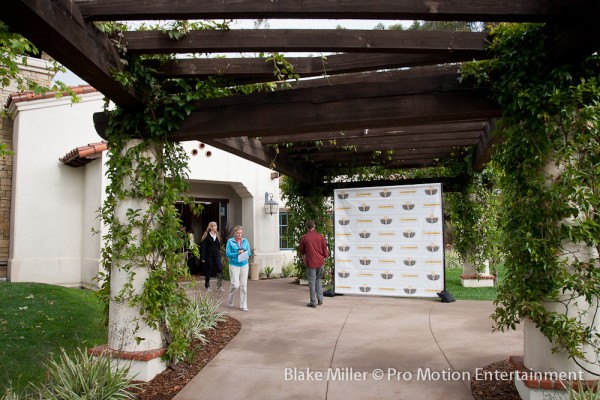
x,y
351,347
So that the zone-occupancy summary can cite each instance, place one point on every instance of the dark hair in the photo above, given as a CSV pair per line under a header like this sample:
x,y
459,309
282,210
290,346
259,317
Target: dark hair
x,y
310,224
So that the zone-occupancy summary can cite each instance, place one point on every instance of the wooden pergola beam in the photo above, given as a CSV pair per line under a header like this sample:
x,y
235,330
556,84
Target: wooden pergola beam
x,y
257,69
379,132
297,40
330,156
386,99
439,10
252,149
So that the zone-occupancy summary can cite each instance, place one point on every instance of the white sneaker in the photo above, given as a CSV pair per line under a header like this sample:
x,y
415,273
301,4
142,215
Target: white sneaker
x,y
244,309
221,289
208,289
230,303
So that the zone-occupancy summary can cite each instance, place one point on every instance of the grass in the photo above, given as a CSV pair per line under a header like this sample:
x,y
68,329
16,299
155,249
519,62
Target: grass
x,y
36,321
454,286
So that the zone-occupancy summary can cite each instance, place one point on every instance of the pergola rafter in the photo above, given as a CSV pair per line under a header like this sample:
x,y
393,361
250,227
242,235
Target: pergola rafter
x,y
384,94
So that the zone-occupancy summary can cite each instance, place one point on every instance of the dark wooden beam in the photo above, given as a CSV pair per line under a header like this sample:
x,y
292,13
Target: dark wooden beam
x,y
439,10
257,69
297,40
251,149
439,145
380,132
333,158
576,35
390,102
483,149
449,184
408,138
57,27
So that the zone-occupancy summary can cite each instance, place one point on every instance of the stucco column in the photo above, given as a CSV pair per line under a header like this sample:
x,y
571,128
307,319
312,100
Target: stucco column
x,y
126,325
538,355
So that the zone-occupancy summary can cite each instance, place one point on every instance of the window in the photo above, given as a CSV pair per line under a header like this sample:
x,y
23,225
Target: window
x,y
283,231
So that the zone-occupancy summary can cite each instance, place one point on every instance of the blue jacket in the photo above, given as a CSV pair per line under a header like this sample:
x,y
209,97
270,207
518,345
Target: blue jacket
x,y
231,251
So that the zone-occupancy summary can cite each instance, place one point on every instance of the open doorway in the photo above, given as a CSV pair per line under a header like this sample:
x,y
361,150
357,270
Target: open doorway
x,y
212,210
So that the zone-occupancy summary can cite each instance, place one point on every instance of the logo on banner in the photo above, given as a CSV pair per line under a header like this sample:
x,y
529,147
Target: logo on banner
x,y
342,196
386,220
433,247
364,208
408,206
365,261
408,234
364,234
344,221
387,275
432,219
387,248
430,191
434,276
364,288
410,290
343,274
385,193
410,262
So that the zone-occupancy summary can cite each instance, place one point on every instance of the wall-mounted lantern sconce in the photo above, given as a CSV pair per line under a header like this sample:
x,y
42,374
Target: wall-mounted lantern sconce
x,y
271,206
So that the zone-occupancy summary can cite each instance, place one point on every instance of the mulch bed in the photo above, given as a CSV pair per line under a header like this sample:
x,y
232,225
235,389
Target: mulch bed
x,y
168,383
495,389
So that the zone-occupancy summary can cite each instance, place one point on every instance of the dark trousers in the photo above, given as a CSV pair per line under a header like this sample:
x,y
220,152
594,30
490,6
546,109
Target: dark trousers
x,y
213,264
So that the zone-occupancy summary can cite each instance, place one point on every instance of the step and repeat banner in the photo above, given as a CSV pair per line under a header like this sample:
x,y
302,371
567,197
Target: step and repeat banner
x,y
389,241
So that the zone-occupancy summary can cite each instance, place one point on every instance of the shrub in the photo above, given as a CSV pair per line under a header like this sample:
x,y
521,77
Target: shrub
x,y
452,258
9,394
268,271
86,377
202,315
581,394
287,270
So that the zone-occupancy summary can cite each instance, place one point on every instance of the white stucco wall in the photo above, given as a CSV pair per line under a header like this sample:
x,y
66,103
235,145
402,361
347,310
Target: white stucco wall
x,y
95,182
218,174
55,206
48,197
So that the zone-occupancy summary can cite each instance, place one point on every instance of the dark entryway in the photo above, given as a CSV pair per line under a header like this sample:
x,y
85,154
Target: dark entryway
x,y
212,210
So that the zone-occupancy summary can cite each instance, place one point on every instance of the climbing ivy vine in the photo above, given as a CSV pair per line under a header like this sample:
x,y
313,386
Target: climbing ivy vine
x,y
548,169
147,176
308,202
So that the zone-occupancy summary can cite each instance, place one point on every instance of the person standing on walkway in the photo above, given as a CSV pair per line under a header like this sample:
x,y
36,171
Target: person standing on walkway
x,y
313,248
238,253
211,255
189,251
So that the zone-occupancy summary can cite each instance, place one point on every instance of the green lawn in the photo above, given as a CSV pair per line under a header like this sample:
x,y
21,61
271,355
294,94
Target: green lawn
x,y
36,320
454,286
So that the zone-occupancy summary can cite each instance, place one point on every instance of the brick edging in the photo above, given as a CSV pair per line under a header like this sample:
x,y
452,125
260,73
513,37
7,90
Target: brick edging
x,y
146,355
478,277
529,379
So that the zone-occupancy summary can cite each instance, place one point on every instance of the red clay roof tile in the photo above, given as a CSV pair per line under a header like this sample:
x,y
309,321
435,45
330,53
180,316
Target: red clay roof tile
x,y
83,154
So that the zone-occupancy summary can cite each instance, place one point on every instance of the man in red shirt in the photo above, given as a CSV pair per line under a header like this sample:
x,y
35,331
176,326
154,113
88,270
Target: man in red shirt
x,y
313,248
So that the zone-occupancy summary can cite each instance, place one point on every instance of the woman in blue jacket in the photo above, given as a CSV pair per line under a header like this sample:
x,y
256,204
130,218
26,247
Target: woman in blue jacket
x,y
238,253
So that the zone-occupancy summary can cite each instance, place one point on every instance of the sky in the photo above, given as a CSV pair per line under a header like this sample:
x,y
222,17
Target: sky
x,y
71,79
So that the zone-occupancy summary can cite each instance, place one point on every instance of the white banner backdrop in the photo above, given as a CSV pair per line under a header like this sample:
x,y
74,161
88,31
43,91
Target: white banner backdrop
x,y
389,241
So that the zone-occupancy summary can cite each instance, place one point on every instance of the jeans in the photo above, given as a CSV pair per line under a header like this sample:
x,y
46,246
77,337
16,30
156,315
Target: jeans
x,y
238,277
314,276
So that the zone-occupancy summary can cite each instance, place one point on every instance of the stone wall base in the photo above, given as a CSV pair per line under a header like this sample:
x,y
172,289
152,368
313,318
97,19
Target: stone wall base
x,y
533,385
143,365
477,280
